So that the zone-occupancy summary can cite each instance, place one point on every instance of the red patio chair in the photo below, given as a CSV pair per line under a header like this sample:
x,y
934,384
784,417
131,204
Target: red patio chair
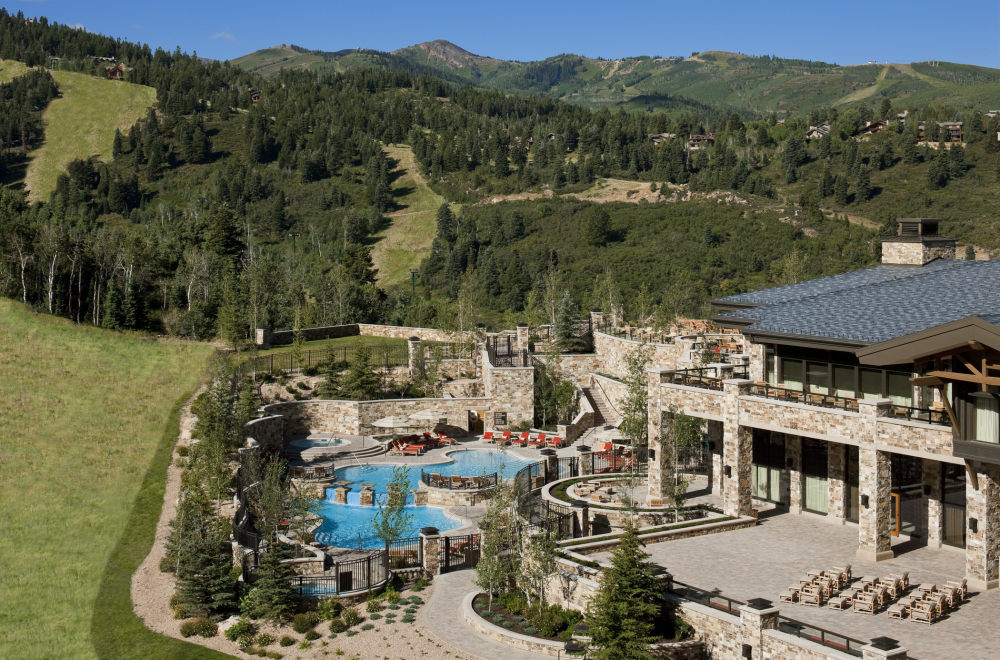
x,y
555,442
538,442
488,436
506,436
522,439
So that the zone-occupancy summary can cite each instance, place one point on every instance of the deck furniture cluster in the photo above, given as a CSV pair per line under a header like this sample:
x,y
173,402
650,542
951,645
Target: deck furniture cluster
x,y
523,439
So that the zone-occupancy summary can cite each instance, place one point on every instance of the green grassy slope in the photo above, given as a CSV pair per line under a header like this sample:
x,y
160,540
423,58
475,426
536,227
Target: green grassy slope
x,y
10,69
82,124
722,79
85,411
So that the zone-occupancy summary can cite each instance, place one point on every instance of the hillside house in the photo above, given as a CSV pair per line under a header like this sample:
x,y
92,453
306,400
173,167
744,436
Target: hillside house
x,y
819,131
116,71
952,131
873,127
696,142
871,399
254,94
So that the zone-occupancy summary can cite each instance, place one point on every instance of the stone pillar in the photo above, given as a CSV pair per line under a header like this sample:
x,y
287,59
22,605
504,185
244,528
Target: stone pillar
x,y
931,477
414,347
756,357
883,648
263,338
793,459
340,495
552,466
715,445
582,512
586,463
874,482
419,496
659,468
522,336
836,466
430,544
596,318
757,616
367,497
982,529
737,453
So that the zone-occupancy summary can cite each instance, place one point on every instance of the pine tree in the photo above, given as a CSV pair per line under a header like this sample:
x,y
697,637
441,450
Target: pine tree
x,y
274,596
116,145
864,190
361,383
840,190
204,582
446,224
625,608
826,146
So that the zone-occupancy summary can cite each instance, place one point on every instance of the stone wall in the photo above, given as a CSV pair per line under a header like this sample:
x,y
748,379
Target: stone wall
x,y
914,436
511,391
463,388
694,401
356,417
576,368
267,337
458,497
915,252
515,640
612,351
614,390
799,419
571,585
269,432
583,421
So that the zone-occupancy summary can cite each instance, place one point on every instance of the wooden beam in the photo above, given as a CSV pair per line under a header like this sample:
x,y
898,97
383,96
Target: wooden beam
x,y
956,431
968,365
976,346
966,378
973,480
923,381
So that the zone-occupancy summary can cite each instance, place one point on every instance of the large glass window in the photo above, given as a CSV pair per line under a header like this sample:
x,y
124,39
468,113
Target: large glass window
x,y
871,384
814,467
818,374
770,372
791,374
900,390
768,463
851,480
843,381
987,417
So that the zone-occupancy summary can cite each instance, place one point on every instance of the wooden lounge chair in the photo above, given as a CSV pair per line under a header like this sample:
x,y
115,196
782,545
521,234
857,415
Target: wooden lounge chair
x,y
538,442
949,594
897,611
488,436
811,596
555,442
923,611
522,439
437,480
963,587
319,472
790,596
865,603
838,602
457,481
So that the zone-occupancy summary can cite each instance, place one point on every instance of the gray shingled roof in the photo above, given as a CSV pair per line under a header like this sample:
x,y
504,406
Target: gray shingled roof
x,y
876,304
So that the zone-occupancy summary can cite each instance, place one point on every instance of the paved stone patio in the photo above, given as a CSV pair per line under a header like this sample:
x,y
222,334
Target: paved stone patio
x,y
762,561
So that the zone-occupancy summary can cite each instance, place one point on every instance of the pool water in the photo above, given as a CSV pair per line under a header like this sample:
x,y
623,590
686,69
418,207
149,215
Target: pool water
x,y
310,443
349,525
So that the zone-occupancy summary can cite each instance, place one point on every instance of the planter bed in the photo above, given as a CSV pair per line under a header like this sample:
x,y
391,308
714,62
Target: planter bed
x,y
518,623
558,490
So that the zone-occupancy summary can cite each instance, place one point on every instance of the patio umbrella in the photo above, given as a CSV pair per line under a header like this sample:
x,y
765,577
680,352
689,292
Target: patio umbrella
x,y
428,415
393,422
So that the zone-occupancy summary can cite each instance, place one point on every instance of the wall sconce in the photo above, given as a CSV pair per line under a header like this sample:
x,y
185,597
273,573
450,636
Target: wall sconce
x,y
728,470
973,525
864,501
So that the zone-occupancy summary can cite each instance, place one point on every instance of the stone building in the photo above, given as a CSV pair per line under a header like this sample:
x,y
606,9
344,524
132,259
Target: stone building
x,y
871,399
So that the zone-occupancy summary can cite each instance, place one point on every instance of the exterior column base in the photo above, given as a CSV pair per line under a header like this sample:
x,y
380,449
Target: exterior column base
x,y
874,557
982,585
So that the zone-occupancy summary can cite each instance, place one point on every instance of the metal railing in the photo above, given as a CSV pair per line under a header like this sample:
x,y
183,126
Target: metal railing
x,y
451,351
312,471
386,358
827,638
455,482
504,354
618,461
712,599
926,415
344,576
538,514
404,553
779,393
703,377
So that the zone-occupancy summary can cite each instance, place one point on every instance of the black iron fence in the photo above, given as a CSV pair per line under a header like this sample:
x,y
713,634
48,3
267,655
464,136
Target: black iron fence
x,y
459,552
455,482
927,415
502,352
827,638
798,396
703,377
359,574
559,520
311,471
381,357
534,476
451,351
621,459
405,553
711,599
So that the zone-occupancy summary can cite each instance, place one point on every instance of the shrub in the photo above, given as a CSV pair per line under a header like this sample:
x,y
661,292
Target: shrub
x,y
394,606
311,370
289,389
548,623
330,608
305,645
302,386
368,626
392,596
351,633
183,450
337,625
274,655
416,600
374,605
286,640
311,635
419,585
242,629
497,618
201,626
297,396
305,621
407,618
263,639
375,616
529,631
514,602
508,624
351,616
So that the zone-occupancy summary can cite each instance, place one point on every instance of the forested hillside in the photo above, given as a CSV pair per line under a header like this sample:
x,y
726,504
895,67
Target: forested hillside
x,y
239,201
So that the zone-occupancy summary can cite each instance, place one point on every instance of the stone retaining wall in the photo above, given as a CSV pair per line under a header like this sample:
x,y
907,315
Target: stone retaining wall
x,y
612,351
269,432
583,421
356,417
914,436
457,497
709,527
266,337
614,390
511,391
799,419
523,642
694,401
574,367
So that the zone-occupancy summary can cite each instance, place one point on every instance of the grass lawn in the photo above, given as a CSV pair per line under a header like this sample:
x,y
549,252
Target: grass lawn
x,y
407,240
341,342
10,69
82,124
89,419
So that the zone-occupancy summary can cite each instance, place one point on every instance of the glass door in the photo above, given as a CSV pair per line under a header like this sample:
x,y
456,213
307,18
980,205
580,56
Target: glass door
x,y
851,484
767,467
909,507
814,467
953,502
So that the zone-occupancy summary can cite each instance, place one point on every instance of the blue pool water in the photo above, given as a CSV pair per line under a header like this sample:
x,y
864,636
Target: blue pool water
x,y
309,443
350,524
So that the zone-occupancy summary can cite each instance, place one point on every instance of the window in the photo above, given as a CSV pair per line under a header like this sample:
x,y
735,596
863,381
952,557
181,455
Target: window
x,y
871,384
791,374
770,372
499,419
953,501
843,381
819,377
900,390
814,465
987,417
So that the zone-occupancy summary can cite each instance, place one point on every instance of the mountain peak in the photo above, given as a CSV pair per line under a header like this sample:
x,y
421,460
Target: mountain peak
x,y
445,51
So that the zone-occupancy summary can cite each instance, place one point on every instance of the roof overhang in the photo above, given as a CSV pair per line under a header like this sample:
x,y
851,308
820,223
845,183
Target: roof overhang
x,y
947,337
805,341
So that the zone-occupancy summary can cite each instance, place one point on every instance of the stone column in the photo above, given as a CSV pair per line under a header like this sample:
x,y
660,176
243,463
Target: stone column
x,y
340,495
596,318
586,463
582,512
883,648
793,459
931,477
737,453
874,482
836,465
367,497
522,336
715,443
659,468
982,529
757,616
756,357
414,347
430,543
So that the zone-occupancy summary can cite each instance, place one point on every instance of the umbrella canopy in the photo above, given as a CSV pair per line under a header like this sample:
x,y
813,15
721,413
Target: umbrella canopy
x,y
392,422
428,415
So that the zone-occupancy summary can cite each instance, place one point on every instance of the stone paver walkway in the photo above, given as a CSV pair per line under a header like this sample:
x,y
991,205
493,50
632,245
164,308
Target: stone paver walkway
x,y
762,561
444,619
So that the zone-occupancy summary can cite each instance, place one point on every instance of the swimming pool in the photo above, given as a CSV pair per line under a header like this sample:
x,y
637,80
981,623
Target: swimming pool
x,y
310,443
348,525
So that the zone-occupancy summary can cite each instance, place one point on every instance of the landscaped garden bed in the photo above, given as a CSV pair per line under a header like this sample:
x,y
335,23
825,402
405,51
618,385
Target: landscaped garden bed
x,y
512,613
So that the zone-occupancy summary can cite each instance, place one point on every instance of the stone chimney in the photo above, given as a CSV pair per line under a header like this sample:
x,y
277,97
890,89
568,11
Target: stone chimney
x,y
916,243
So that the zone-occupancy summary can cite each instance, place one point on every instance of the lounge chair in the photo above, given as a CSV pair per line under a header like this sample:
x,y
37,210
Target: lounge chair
x,y
319,473
811,595
437,480
838,602
457,481
923,611
538,442
506,436
963,587
789,596
522,439
555,442
897,611
488,436
413,450
866,603
445,440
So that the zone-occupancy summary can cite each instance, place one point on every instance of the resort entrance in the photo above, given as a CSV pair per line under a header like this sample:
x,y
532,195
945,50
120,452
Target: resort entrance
x,y
768,478
908,513
460,552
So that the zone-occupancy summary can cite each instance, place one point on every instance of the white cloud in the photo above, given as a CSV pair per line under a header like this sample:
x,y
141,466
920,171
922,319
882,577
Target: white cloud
x,y
223,35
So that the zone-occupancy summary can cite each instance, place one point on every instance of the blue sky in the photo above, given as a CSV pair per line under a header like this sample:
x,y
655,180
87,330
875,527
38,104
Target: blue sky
x,y
845,32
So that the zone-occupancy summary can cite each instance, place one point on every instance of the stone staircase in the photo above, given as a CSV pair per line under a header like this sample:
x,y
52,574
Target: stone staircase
x,y
604,414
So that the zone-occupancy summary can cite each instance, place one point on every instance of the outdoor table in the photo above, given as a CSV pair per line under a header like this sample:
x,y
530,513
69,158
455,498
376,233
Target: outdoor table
x,y
926,588
868,579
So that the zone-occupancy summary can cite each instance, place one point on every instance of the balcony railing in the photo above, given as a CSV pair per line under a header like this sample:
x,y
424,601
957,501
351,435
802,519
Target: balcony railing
x,y
703,377
827,638
814,399
927,415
